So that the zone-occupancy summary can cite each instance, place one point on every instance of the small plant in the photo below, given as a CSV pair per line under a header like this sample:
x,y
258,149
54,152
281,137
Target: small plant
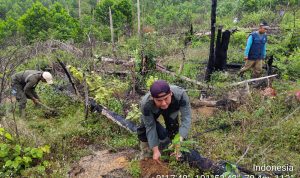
x,y
135,114
16,160
231,170
179,146
150,81
134,168
102,90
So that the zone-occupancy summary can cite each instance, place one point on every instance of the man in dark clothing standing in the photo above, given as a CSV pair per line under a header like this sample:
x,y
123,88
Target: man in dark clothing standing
x,y
24,83
167,101
255,50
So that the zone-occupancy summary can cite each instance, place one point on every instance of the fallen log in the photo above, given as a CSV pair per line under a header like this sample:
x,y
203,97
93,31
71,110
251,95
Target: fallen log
x,y
200,103
120,73
127,124
117,62
252,80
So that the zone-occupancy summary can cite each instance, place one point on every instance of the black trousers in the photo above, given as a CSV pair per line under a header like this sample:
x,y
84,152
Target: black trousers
x,y
172,128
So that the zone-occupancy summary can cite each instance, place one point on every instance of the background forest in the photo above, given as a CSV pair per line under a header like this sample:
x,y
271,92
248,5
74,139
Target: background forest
x,y
173,33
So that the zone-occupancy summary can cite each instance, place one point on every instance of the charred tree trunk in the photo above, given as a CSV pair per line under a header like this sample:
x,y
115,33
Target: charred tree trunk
x,y
218,49
269,65
68,75
210,65
221,50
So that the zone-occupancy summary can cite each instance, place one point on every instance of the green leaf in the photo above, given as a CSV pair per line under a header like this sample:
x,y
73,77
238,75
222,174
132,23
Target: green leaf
x,y
41,168
3,150
27,149
1,131
15,164
176,139
184,149
17,150
228,167
27,159
18,159
8,136
45,163
8,163
46,149
225,174
36,153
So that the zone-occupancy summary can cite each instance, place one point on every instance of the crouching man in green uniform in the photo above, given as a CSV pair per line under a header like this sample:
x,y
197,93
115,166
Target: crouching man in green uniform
x,y
166,100
24,83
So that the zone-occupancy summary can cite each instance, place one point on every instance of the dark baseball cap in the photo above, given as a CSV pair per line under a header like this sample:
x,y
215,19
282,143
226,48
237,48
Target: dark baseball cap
x,y
158,87
264,25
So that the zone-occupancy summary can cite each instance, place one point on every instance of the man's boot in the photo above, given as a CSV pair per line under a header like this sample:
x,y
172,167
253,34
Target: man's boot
x,y
145,150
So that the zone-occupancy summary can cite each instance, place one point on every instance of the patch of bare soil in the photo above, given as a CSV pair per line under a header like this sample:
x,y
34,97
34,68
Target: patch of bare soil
x,y
203,112
150,168
102,164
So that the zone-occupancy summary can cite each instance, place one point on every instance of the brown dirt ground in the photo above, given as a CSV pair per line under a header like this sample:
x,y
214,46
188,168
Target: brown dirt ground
x,y
102,164
106,164
150,168
114,165
203,111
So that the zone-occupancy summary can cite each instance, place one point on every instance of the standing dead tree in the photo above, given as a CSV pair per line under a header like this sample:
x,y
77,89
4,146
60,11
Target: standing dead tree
x,y
222,43
211,59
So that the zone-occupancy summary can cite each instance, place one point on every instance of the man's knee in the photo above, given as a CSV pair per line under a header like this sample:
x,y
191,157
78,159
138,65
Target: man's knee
x,y
141,132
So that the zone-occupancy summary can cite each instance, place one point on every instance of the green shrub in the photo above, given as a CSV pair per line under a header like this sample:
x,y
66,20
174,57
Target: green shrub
x,y
17,159
287,22
254,18
293,66
239,39
134,114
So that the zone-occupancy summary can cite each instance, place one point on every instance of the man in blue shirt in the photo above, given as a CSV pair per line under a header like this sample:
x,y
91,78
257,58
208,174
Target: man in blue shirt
x,y
255,50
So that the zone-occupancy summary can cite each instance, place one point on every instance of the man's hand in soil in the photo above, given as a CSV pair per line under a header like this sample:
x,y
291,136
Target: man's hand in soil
x,y
156,154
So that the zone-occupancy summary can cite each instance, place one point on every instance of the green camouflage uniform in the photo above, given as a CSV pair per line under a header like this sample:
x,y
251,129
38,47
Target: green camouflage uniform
x,y
24,83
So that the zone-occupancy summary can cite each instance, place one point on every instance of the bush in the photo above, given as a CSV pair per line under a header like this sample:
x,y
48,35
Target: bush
x,y
254,18
16,160
293,66
239,38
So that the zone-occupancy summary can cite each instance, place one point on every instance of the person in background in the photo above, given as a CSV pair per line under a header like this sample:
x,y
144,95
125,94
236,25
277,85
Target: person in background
x,y
23,85
255,51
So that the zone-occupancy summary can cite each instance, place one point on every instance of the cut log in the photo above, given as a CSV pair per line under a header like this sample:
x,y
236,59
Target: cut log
x,y
118,62
120,73
121,121
252,80
207,103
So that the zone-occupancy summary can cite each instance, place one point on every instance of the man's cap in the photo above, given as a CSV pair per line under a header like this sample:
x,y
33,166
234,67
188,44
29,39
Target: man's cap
x,y
48,77
264,25
158,87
